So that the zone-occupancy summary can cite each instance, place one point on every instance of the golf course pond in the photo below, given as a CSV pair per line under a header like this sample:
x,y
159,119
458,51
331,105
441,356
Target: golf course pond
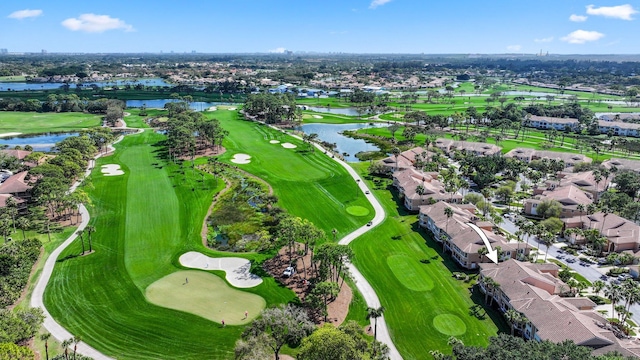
x,y
160,103
21,86
331,133
40,142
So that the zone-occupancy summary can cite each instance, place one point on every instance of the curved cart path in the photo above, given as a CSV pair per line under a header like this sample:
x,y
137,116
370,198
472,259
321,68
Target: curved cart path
x,y
37,297
362,284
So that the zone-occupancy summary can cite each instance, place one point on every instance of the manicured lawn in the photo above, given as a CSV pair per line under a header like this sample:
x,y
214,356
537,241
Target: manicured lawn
x,y
308,184
145,220
424,303
33,123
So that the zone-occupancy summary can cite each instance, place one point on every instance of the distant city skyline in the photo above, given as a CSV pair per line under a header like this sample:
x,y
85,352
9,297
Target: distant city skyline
x,y
331,26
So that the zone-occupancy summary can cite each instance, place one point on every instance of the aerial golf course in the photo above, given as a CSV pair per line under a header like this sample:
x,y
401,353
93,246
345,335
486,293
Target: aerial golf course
x,y
132,298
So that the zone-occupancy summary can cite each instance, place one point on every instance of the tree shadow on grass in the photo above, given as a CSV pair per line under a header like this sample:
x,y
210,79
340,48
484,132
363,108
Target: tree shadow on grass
x,y
68,257
494,314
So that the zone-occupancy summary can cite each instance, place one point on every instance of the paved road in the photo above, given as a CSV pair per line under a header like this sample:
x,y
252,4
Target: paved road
x,y
590,272
362,284
56,330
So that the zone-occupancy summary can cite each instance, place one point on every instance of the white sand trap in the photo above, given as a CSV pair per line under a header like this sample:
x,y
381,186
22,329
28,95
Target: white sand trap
x,y
213,108
9,134
289,146
274,141
111,170
236,269
232,108
317,117
241,159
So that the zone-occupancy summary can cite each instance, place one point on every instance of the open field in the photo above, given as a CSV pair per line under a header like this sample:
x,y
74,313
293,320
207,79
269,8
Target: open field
x,y
33,123
308,184
145,219
424,303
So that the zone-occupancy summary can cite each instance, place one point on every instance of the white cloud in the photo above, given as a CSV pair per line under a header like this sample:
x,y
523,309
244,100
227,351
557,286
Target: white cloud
x,y
93,23
23,14
279,50
582,36
375,3
514,47
544,40
578,18
623,12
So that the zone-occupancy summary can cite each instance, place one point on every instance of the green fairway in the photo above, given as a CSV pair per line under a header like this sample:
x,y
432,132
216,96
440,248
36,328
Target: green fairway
x,y
144,220
33,123
424,303
308,184
205,295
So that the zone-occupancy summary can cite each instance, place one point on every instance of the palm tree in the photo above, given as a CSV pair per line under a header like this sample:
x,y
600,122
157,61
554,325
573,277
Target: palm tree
x,y
631,295
448,211
396,152
420,190
23,224
513,317
80,234
45,337
580,209
375,313
75,340
519,234
90,229
547,238
598,285
613,292
65,345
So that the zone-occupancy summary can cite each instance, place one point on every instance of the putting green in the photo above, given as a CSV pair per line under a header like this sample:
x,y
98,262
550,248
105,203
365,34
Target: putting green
x,y
357,210
409,273
449,324
204,295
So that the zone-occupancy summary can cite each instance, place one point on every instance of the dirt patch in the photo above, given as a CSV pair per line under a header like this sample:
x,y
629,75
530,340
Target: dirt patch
x,y
205,152
337,310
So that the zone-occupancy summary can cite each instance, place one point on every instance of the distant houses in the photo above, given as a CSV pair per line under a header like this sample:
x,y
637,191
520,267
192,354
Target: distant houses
x,y
527,155
473,148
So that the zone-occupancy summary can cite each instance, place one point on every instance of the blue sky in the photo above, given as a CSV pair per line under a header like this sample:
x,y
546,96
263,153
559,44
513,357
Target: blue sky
x,y
354,26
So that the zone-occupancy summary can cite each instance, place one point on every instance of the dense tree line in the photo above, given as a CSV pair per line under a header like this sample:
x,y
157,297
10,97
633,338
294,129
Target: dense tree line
x,y
506,347
63,103
16,260
189,132
273,108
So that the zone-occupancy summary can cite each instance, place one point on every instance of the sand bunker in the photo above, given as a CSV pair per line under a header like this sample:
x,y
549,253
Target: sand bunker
x,y
232,108
9,134
236,269
289,146
274,141
241,159
213,108
111,170
317,117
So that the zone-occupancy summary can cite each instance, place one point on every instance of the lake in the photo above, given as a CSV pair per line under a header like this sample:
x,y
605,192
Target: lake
x,y
331,134
20,86
337,111
159,104
40,142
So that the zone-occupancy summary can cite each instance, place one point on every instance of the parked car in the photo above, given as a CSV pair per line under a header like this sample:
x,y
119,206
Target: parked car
x,y
604,277
290,270
623,277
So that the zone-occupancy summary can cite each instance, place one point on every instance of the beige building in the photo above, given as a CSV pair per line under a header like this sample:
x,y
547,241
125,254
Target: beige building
x,y
621,234
408,181
569,196
528,155
473,148
459,239
407,159
534,291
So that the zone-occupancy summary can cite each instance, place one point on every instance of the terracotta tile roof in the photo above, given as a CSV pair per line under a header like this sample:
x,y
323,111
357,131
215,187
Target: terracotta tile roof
x,y
567,195
622,164
481,148
532,154
554,120
617,229
15,184
20,154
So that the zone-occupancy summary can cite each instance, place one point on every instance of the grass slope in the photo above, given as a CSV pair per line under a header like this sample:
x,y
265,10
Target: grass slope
x,y
424,303
34,123
144,219
308,184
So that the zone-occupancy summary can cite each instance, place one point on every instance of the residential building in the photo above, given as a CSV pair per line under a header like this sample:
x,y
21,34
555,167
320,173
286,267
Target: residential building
x,y
472,148
406,159
622,164
548,122
569,196
462,241
621,234
527,155
534,291
407,182
17,185
619,128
